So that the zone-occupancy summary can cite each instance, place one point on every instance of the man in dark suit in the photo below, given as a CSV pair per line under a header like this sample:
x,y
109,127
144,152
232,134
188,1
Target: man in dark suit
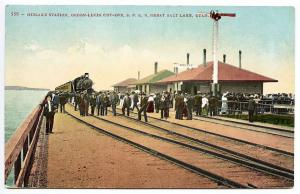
x,y
76,100
49,112
179,105
251,109
198,104
62,102
143,109
126,104
93,103
189,105
55,99
213,105
135,101
114,100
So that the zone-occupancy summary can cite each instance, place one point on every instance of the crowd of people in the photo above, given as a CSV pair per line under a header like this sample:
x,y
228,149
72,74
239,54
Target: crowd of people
x,y
185,105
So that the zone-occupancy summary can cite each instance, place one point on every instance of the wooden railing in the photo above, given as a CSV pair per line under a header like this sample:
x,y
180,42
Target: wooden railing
x,y
20,148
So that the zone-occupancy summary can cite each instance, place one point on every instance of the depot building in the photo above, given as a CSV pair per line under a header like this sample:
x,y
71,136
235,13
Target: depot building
x,y
231,78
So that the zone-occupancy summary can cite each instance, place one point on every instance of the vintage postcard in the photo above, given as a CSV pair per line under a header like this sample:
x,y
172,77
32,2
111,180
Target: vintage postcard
x,y
140,96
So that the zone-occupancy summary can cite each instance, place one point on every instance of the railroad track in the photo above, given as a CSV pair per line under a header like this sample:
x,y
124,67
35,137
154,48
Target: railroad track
x,y
254,127
221,157
249,152
205,147
219,135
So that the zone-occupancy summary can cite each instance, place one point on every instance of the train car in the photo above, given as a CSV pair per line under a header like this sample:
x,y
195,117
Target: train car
x,y
66,87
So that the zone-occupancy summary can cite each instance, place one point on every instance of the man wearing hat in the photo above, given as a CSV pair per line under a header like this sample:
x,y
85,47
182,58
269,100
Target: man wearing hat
x,y
189,106
135,101
143,109
126,104
49,112
198,103
93,103
179,105
114,100
251,108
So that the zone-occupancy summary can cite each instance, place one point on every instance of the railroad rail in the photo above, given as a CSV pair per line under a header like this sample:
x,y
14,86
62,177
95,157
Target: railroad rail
x,y
223,136
233,156
20,148
266,129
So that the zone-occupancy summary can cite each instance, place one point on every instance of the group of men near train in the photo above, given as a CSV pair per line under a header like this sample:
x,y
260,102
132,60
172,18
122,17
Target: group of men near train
x,y
184,104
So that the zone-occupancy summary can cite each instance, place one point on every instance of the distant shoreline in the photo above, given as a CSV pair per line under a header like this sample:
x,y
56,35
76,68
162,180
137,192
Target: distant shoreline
x,y
25,88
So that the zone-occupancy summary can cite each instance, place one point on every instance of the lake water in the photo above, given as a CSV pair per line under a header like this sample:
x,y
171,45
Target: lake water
x,y
18,105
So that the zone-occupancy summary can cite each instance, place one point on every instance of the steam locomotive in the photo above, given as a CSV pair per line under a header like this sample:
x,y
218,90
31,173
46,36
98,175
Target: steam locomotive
x,y
79,84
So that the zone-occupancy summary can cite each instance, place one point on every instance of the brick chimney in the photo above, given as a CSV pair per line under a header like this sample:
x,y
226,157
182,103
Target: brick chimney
x,y
240,59
155,68
139,75
224,58
188,58
204,57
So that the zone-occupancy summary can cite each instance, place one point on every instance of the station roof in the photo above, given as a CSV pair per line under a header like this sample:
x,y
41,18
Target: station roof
x,y
125,83
226,72
154,78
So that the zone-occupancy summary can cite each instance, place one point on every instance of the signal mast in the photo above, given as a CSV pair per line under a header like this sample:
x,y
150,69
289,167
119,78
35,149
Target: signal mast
x,y
215,88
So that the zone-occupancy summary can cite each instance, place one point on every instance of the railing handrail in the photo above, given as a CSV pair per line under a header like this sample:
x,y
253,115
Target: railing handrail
x,y
15,144
245,102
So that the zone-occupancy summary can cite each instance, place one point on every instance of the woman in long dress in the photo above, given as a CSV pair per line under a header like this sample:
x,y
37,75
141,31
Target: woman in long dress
x,y
150,108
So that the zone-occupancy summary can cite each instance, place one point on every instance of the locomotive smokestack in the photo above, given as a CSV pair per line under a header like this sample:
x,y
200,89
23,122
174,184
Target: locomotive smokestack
x,y
240,59
155,68
224,58
204,57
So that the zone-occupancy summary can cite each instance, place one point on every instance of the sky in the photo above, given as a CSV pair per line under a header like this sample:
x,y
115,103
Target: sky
x,y
46,51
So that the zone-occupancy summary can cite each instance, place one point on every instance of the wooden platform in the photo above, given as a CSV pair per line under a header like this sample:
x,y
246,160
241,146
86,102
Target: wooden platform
x,y
80,157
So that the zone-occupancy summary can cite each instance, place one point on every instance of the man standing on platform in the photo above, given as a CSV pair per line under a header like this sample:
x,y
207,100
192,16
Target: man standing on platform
x,y
86,104
55,99
106,103
98,103
126,104
102,103
198,104
135,101
114,100
76,100
162,105
213,105
49,112
62,102
189,104
156,102
179,105
143,109
93,103
251,109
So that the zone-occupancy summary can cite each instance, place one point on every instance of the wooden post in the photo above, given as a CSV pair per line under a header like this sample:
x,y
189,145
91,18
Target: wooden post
x,y
17,167
25,147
